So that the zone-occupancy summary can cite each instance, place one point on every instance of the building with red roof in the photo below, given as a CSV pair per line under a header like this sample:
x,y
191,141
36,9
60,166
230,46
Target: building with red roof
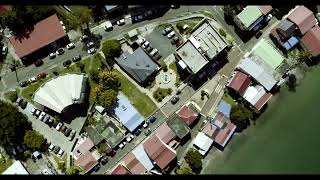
x,y
46,36
225,134
188,114
159,152
133,164
86,162
303,18
165,133
265,9
311,40
239,82
120,170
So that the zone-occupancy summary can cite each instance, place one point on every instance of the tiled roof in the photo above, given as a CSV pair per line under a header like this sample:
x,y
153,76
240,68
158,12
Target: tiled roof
x,y
239,82
120,170
188,114
87,161
165,133
265,9
84,147
312,40
303,18
133,164
225,134
44,32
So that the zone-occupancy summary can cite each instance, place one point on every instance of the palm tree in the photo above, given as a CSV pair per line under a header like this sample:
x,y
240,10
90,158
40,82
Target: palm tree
x,y
108,79
82,15
300,56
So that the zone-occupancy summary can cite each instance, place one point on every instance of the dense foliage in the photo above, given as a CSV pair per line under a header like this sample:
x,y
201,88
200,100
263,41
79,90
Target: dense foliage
x,y
240,113
194,159
34,140
111,48
73,170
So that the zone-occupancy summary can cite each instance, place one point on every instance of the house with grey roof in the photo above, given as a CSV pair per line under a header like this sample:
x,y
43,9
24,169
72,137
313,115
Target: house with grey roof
x,y
138,65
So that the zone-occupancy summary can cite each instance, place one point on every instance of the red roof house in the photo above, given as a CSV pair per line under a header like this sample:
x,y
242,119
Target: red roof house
x,y
82,148
303,18
188,114
165,133
311,40
86,162
159,152
265,9
133,164
225,134
210,130
44,33
239,82
120,170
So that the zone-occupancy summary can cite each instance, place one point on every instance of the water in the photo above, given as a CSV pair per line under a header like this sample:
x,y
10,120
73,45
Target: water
x,y
286,138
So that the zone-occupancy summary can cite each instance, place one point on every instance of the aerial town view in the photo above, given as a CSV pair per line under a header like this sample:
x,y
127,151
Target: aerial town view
x,y
154,90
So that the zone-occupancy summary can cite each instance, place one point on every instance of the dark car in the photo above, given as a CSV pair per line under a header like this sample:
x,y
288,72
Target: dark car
x,y
42,75
56,149
38,63
174,40
157,57
137,132
258,34
147,132
23,104
76,58
175,99
67,132
46,119
84,38
66,63
60,51
54,124
138,18
149,48
23,83
151,119
104,160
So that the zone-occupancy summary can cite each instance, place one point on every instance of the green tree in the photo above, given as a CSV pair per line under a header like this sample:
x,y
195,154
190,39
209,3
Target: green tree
x,y
83,15
11,95
94,75
222,32
184,171
80,65
13,125
107,98
34,140
229,11
73,170
103,148
111,48
164,66
240,113
62,166
300,56
57,118
194,159
292,82
109,80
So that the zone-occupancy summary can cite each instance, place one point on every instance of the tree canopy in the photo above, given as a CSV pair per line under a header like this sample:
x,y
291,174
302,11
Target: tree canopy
x,y
83,15
34,140
73,170
13,125
240,113
111,48
109,80
194,159
184,171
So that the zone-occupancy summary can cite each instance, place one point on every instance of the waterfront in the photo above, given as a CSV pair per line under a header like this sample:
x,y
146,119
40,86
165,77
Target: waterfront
x,y
284,140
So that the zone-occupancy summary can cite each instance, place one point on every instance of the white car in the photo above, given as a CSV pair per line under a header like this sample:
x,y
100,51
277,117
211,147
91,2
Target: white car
x,y
72,134
37,113
59,126
129,138
121,22
90,44
60,153
4,50
45,171
92,51
33,79
170,35
108,26
269,17
52,55
33,111
51,147
141,41
42,115
145,125
154,52
71,45
122,145
145,44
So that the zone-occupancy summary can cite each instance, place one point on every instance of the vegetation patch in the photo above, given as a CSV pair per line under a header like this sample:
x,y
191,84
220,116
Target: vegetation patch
x,y
28,91
11,95
161,93
4,163
190,22
173,66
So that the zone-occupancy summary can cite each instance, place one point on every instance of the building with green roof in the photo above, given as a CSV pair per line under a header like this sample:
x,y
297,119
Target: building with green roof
x,y
268,53
249,17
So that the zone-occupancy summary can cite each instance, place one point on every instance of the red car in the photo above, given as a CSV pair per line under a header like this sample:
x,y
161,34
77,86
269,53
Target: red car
x,y
42,75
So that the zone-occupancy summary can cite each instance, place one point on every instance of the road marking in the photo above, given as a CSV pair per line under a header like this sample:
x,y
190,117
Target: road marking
x,y
4,84
218,87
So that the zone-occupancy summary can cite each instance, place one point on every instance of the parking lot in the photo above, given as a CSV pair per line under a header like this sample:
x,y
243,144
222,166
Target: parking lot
x,y
161,42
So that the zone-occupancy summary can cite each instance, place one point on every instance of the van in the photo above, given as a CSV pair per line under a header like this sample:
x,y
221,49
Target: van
x,y
108,26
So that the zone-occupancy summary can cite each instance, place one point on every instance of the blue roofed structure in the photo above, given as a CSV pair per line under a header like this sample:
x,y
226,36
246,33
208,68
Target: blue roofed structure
x,y
127,114
291,43
225,108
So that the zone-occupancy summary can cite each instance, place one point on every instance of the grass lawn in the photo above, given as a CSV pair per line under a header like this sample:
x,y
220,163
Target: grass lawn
x,y
4,163
86,63
140,100
190,22
92,86
96,61
73,68
173,66
161,93
28,91
226,97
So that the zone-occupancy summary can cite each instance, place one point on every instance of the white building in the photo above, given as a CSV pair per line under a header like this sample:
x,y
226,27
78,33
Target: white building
x,y
16,168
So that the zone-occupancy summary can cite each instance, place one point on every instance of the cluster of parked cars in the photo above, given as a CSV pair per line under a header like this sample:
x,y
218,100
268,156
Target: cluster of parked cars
x,y
33,79
56,149
153,52
169,32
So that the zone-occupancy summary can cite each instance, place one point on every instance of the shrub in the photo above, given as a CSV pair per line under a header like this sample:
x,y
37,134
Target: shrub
x,y
12,96
222,32
81,66
194,159
94,75
164,67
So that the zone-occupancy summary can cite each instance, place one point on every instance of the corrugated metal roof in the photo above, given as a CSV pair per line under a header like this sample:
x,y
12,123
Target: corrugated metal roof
x,y
143,157
249,15
303,18
203,142
312,40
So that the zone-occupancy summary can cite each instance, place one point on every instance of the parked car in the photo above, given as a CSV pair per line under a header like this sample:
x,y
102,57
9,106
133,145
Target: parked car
x,y
175,99
91,51
141,41
108,26
104,160
51,147
42,75
84,38
76,58
90,44
23,104
66,63
154,52
45,171
42,115
147,132
55,124
121,145
37,113
179,43
23,84
145,125
52,55
46,119
60,153
33,79
67,132
72,134
58,127
174,40
56,149
4,50
71,45
170,35
166,31
33,110
18,101
258,34
152,119
38,63
63,128
138,18
157,56
129,138
49,122
137,132
60,51
145,44
121,22
149,49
